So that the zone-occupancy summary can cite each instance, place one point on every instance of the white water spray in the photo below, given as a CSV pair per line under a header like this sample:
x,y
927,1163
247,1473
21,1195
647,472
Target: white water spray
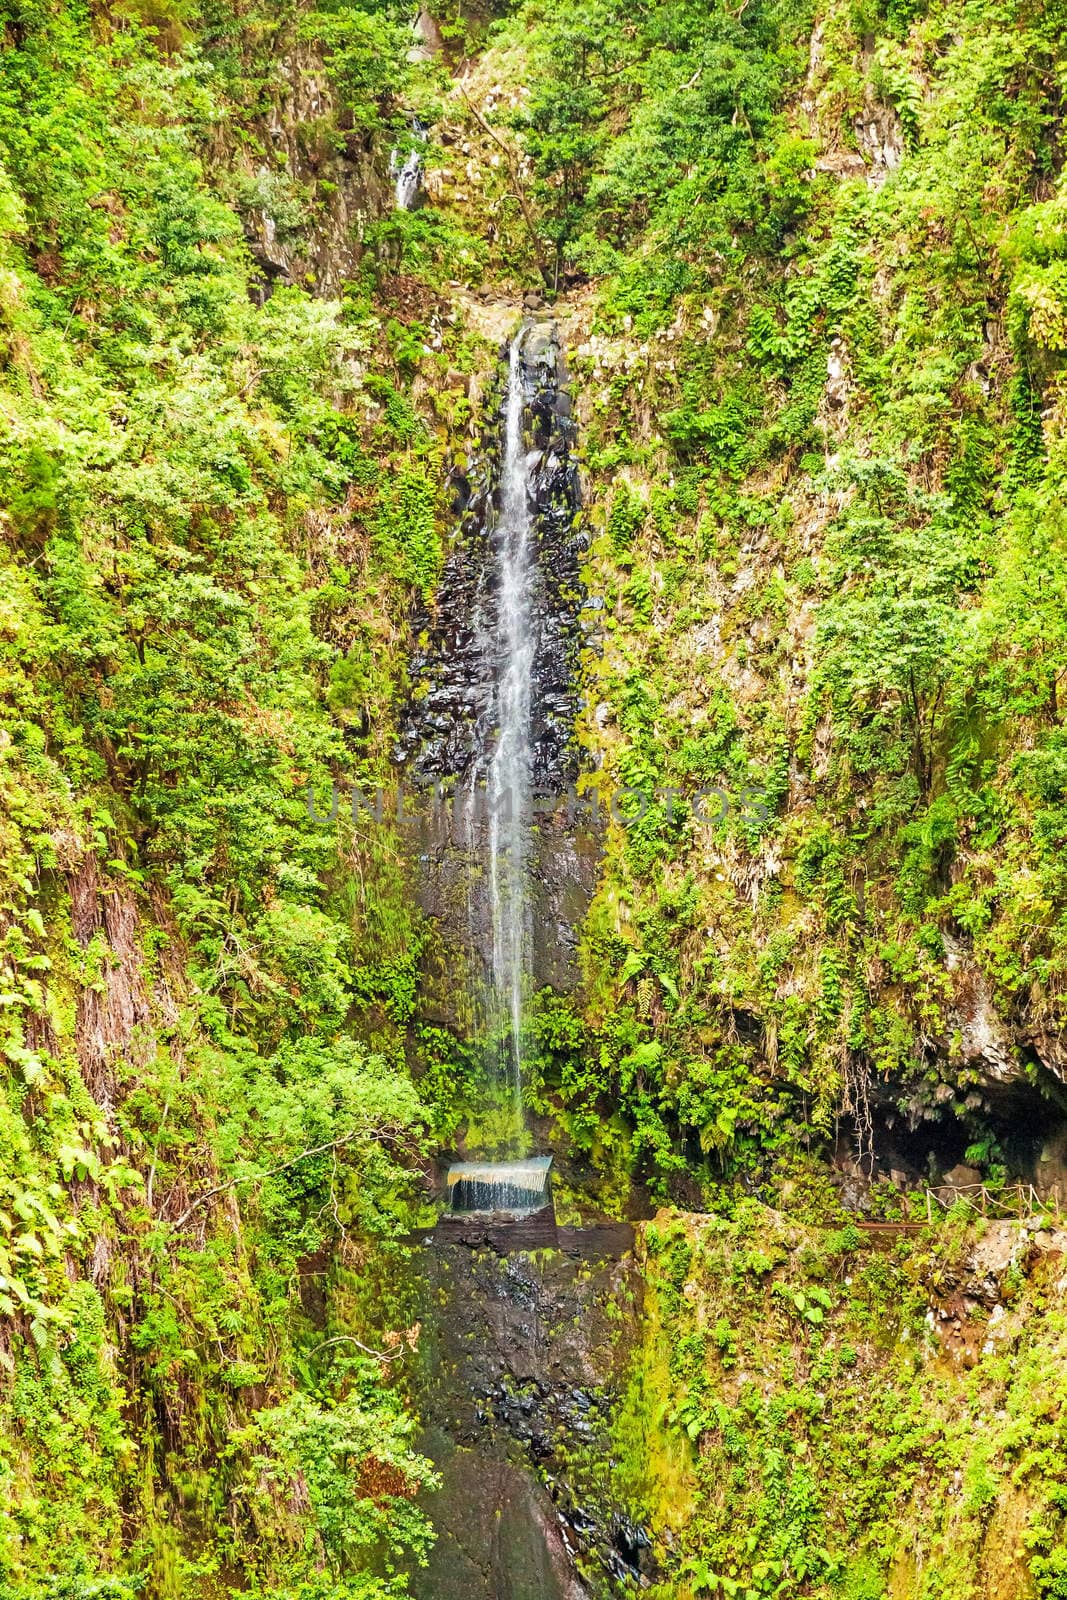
x,y
407,174
510,771
407,179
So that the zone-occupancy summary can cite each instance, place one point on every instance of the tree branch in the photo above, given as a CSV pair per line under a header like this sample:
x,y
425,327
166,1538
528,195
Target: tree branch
x,y
348,1338
272,1172
524,206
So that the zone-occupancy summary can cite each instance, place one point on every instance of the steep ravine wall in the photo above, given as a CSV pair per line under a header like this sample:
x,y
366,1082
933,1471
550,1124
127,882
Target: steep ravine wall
x,y
833,1411
216,536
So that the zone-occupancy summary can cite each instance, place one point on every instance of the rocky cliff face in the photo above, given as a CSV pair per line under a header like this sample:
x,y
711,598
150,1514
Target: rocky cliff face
x,y
309,191
861,1404
447,729
526,1357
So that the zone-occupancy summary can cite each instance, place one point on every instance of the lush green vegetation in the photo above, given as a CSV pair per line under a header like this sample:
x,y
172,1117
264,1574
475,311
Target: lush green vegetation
x,y
810,260
213,528
785,1420
824,367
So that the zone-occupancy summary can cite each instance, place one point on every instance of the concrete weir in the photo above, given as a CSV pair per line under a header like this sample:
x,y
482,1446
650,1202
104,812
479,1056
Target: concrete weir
x,y
499,1188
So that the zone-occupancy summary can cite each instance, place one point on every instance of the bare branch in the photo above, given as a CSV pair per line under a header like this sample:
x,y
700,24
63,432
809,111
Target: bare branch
x,y
348,1338
516,178
271,1172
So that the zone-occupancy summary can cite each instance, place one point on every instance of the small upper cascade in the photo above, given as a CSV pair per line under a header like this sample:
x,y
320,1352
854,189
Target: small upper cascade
x,y
406,171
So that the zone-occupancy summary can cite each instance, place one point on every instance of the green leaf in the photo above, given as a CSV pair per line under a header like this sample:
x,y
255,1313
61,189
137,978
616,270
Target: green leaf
x,y
634,964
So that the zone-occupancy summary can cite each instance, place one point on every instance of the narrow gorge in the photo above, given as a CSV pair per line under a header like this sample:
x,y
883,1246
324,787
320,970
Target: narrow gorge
x,y
533,790
522,1358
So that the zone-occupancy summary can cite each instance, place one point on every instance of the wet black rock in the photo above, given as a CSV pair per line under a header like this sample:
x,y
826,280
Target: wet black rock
x,y
461,493
460,662
530,1352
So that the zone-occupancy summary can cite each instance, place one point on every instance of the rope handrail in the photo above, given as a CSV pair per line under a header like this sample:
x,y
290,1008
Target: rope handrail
x,y
1012,1201
1016,1202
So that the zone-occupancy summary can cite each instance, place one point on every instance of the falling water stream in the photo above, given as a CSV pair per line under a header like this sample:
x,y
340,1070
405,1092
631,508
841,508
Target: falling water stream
x,y
525,1324
407,173
491,722
510,769
407,178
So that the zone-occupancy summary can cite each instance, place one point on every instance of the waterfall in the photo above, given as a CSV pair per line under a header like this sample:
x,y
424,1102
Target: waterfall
x,y
408,179
489,725
509,779
499,1186
407,174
